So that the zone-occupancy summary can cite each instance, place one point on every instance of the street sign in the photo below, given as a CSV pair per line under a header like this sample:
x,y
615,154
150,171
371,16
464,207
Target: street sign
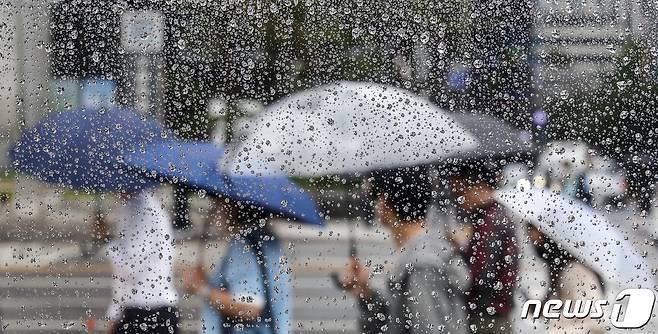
x,y
142,31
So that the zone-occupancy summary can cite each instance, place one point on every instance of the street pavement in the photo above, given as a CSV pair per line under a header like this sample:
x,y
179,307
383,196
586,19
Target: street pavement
x,y
47,288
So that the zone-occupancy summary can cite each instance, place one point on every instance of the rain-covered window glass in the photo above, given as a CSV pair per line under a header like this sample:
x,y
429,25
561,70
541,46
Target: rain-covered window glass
x,y
328,167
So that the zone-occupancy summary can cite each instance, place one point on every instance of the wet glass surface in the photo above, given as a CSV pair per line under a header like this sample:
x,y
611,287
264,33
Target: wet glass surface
x,y
310,166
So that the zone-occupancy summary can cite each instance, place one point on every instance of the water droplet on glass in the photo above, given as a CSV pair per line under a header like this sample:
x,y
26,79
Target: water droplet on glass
x,y
623,114
424,38
564,94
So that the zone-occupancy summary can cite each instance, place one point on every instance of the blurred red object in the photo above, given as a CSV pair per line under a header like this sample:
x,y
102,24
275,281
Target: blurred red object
x,y
90,324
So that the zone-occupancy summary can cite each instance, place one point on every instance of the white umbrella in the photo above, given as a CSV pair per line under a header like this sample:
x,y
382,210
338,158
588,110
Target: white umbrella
x,y
583,232
347,127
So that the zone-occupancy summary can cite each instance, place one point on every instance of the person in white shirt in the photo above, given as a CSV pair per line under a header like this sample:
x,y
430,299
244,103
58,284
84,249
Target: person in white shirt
x,y
143,293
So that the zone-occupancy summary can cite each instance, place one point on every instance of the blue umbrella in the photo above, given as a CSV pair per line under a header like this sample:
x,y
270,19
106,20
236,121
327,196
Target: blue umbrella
x,y
195,164
83,148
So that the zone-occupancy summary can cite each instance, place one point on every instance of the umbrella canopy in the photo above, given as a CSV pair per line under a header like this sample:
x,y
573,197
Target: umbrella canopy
x,y
82,148
195,164
496,138
344,128
583,232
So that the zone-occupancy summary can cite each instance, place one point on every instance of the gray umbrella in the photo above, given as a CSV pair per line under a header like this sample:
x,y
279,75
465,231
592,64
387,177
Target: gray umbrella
x,y
495,137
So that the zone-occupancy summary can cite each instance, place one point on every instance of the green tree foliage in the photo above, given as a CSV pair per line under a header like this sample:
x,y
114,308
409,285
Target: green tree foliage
x,y
266,50
619,116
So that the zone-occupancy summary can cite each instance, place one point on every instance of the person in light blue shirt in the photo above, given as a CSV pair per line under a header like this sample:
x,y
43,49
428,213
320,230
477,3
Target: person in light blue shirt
x,y
249,290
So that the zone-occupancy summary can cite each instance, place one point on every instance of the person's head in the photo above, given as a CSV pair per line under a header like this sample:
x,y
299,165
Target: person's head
x,y
125,195
237,218
472,184
400,196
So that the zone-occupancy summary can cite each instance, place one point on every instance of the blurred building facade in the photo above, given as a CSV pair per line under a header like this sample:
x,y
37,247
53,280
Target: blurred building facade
x,y
573,44
24,70
576,43
8,117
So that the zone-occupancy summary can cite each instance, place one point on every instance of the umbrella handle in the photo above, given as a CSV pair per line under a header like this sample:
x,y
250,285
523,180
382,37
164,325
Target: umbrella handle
x,y
353,249
336,280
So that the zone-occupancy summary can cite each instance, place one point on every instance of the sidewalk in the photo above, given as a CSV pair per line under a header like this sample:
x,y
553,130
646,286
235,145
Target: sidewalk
x,y
46,293
311,248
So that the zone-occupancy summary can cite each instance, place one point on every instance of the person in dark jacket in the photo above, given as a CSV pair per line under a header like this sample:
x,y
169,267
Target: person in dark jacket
x,y
425,291
492,253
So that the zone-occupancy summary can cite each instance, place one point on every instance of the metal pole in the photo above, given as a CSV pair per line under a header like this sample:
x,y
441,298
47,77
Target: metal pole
x,y
157,63
142,91
149,93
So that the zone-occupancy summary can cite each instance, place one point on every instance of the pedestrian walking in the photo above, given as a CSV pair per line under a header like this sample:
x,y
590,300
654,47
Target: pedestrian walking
x,y
425,292
584,270
569,280
143,294
492,253
249,289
